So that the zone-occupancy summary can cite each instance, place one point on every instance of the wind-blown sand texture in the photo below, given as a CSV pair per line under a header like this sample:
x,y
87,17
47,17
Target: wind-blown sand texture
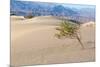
x,y
33,42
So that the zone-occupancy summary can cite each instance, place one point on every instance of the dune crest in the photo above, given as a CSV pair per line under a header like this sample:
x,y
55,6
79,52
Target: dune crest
x,y
88,24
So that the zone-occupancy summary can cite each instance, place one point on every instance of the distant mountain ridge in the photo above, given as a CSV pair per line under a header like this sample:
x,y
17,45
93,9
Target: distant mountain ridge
x,y
47,8
23,8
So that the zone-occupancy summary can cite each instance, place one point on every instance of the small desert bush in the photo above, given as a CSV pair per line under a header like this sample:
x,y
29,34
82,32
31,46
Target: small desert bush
x,y
28,17
68,29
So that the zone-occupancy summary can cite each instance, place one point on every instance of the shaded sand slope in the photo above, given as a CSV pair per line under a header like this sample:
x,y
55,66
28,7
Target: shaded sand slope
x,y
33,41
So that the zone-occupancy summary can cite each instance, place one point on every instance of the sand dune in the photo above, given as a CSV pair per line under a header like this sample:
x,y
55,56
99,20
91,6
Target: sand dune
x,y
89,24
33,41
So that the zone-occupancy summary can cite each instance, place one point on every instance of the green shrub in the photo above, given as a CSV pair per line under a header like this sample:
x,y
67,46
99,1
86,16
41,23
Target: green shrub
x,y
68,29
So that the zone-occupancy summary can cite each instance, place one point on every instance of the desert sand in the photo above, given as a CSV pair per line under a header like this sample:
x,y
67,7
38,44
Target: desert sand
x,y
33,42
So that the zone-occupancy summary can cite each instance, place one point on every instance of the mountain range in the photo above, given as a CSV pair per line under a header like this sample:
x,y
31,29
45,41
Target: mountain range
x,y
74,11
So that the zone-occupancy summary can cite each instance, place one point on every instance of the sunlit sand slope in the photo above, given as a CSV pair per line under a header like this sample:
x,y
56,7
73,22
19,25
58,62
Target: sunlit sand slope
x,y
33,41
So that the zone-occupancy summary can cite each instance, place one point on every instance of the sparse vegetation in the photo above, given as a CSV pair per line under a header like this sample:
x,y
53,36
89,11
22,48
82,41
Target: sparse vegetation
x,y
68,29
29,16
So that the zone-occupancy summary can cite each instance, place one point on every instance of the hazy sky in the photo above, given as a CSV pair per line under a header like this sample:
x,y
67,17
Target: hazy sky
x,y
90,2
